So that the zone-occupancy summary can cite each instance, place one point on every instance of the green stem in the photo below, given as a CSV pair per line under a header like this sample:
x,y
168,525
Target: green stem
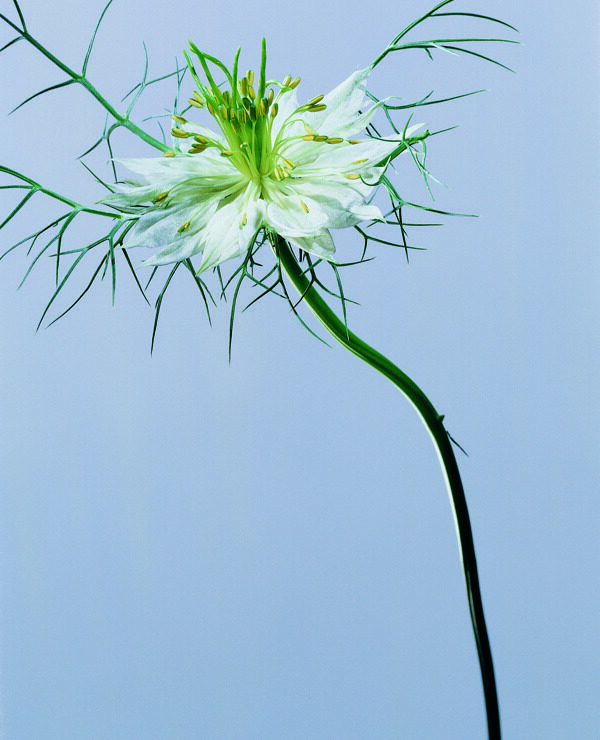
x,y
434,423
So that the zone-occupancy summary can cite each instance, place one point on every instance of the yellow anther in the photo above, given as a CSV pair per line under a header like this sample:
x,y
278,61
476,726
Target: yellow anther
x,y
227,97
317,108
304,206
252,113
226,153
160,198
169,154
184,227
197,148
352,176
211,110
309,130
276,173
309,137
179,134
320,138
243,86
360,161
245,116
353,141
244,219
199,97
262,107
270,96
288,163
195,103
335,140
294,83
287,80
315,100
250,77
201,139
179,119
244,144
224,111
274,109
251,92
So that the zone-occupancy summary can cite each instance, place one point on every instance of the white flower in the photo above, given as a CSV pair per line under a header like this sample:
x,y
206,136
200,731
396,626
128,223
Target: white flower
x,y
295,169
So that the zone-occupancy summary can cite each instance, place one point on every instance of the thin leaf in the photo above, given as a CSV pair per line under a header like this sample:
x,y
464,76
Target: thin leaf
x,y
91,44
158,303
65,83
85,290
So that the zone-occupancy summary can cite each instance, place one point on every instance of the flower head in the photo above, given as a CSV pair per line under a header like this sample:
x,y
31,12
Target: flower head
x,y
296,169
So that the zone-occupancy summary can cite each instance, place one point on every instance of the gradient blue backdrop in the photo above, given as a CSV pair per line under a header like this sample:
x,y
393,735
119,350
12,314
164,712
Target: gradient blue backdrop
x,y
264,549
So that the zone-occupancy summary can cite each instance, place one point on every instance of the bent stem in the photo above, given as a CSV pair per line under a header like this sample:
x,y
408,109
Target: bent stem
x,y
434,423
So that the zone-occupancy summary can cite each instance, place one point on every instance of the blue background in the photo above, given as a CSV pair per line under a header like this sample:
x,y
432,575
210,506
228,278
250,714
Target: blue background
x,y
264,549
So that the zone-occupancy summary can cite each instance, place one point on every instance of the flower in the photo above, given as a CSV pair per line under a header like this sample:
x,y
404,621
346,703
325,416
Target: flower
x,y
295,169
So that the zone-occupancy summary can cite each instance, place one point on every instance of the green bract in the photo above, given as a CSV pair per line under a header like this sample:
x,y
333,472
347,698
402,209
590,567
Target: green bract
x,y
274,163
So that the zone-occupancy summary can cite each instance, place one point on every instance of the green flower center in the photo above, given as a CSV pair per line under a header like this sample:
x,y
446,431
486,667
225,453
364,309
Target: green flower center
x,y
245,114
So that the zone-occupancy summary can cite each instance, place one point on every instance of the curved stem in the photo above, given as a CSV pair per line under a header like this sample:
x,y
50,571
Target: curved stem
x,y
434,423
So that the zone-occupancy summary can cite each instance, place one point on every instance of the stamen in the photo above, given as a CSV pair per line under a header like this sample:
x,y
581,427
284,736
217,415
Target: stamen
x,y
244,219
317,108
227,97
243,86
270,96
315,100
224,112
335,140
276,173
211,110
309,137
169,154
288,163
353,141
320,138
229,153
160,198
294,83
309,130
201,139
179,134
352,176
184,227
263,107
195,103
360,161
199,97
287,81
251,92
179,119
274,109
250,77
304,206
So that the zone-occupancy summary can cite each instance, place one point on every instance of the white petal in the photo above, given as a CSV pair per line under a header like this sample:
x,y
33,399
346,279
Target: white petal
x,y
231,229
321,244
343,104
338,202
